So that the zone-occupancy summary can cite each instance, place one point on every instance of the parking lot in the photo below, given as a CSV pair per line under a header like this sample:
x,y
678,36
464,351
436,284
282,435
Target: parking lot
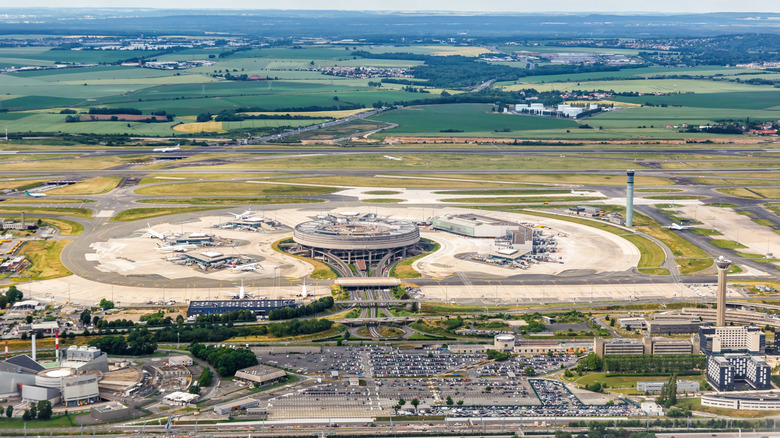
x,y
393,362
541,363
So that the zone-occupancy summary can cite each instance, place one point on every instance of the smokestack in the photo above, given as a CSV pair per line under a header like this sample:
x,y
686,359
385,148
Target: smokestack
x,y
34,353
57,346
723,266
6,350
630,198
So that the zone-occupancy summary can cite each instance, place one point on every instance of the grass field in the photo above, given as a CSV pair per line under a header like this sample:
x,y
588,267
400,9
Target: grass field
x,y
505,192
727,244
229,201
464,119
519,199
404,269
679,246
44,257
383,200
217,188
552,178
689,266
321,270
425,161
92,186
134,214
381,192
66,211
652,256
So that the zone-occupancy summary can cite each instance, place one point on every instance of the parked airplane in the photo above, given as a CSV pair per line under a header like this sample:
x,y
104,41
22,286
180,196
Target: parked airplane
x,y
390,157
35,195
154,234
176,248
246,267
244,215
241,294
678,227
176,148
304,292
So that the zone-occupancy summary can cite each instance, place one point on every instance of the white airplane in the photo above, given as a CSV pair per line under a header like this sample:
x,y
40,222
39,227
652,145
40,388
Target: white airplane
x,y
390,157
35,195
247,267
241,294
244,215
304,291
581,193
154,234
176,248
176,148
678,227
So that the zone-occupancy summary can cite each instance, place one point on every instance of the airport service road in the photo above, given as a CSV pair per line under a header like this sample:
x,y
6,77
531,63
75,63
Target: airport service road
x,y
759,239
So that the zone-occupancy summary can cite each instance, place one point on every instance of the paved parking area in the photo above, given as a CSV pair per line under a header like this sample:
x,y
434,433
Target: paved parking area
x,y
541,363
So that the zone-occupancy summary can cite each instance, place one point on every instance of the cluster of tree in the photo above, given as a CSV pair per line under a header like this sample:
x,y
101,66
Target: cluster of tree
x,y
591,362
12,295
399,81
712,423
453,323
133,111
462,72
646,363
718,129
596,387
603,432
668,396
399,293
106,304
41,411
138,342
296,327
230,52
205,377
225,360
102,324
312,308
232,116
231,316
411,89
499,356
197,333
157,319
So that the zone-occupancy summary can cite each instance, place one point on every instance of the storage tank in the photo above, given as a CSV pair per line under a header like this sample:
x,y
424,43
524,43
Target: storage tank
x,y
504,342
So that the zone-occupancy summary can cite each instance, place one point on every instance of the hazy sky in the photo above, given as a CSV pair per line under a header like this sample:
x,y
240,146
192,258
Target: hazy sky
x,y
659,6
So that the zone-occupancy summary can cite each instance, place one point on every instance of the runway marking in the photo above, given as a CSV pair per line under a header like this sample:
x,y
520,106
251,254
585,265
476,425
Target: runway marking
x,y
105,213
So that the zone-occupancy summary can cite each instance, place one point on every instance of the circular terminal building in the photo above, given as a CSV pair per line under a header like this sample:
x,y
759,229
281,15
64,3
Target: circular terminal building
x,y
348,239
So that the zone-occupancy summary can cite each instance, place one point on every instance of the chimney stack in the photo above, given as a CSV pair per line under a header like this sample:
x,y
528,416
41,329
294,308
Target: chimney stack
x,y
723,266
57,346
34,353
630,198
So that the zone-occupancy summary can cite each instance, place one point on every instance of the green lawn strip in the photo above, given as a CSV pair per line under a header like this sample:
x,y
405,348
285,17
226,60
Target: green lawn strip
x,y
721,205
134,214
518,199
505,192
652,255
56,421
673,197
321,270
657,190
688,266
383,200
217,188
727,244
680,246
404,269
57,211
763,222
654,271
229,201
706,232
739,192
382,192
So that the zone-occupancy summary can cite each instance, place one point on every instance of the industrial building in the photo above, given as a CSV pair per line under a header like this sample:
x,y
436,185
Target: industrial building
x,y
673,326
108,412
180,360
738,317
16,372
683,386
647,345
260,375
84,358
63,385
475,225
261,308
236,406
179,398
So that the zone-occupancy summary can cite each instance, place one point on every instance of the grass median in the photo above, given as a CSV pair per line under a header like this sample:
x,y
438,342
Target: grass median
x,y
321,270
134,214
404,269
44,257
